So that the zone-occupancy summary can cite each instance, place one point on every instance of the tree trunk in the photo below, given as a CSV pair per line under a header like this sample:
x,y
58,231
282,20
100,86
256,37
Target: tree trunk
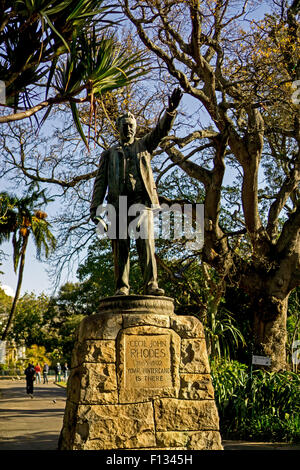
x,y
18,290
269,327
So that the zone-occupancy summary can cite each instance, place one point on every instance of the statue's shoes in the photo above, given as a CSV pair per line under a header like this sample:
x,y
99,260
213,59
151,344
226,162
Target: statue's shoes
x,y
155,291
122,291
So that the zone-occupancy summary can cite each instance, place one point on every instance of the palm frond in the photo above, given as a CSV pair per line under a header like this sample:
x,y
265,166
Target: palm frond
x,y
36,32
77,122
49,22
44,240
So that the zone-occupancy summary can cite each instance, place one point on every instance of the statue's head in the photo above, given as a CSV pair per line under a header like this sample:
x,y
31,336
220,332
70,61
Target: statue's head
x,y
126,125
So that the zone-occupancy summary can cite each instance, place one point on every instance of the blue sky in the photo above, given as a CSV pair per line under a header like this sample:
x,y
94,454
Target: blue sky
x,y
35,277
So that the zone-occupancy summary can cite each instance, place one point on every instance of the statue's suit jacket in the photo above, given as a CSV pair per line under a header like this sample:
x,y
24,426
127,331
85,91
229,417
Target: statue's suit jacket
x,y
109,171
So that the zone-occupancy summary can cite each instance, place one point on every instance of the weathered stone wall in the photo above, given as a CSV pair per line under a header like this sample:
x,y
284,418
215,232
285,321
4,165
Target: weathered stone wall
x,y
140,379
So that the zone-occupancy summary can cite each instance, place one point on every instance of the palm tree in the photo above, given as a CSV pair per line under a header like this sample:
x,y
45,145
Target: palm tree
x,y
19,221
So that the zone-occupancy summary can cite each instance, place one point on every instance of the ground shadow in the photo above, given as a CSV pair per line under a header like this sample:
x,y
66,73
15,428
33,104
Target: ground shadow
x,y
34,441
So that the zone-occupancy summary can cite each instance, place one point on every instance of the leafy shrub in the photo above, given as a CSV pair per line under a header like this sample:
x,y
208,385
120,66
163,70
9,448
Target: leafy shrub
x,y
37,354
258,406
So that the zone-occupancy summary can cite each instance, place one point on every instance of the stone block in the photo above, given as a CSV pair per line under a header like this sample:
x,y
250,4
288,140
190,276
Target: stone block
x,y
187,326
115,427
93,383
132,320
67,434
185,415
199,440
94,351
100,326
196,387
194,357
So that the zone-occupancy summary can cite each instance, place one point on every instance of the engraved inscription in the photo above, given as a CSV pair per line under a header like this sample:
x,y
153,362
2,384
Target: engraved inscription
x,y
147,361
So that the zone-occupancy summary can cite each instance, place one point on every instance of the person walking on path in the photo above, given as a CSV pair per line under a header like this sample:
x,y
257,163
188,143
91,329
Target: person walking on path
x,y
45,373
57,372
30,377
38,373
65,371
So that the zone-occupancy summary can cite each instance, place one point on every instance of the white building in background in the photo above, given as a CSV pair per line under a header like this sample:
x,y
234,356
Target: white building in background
x,y
21,352
10,352
8,290
2,352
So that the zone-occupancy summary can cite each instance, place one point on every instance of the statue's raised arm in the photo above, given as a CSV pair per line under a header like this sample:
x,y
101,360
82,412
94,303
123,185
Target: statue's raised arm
x,y
164,125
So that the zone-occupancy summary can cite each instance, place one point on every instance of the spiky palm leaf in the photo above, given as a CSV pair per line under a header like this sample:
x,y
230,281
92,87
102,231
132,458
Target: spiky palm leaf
x,y
43,238
35,32
97,66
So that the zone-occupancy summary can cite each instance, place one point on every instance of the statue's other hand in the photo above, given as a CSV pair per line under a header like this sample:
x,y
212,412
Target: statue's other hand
x,y
102,223
174,99
96,219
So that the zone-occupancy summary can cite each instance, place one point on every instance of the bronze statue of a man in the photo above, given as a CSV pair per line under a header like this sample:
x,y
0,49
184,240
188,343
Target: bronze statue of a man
x,y
125,170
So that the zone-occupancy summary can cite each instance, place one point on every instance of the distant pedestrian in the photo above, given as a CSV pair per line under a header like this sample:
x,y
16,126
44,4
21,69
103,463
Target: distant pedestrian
x,y
30,377
45,373
65,370
57,372
38,373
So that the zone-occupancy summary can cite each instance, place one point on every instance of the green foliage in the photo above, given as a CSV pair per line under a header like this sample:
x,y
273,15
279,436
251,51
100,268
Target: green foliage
x,y
237,302
37,354
60,321
293,329
25,218
223,335
6,206
96,273
28,324
5,306
48,323
258,406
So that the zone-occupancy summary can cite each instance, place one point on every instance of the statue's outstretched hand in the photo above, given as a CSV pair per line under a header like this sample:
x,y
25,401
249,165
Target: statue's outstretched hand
x,y
174,99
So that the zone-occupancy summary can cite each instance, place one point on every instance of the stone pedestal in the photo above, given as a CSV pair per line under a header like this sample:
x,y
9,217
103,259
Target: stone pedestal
x,y
140,379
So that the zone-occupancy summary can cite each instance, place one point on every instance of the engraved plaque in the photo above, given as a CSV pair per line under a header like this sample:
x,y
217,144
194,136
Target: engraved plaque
x,y
147,361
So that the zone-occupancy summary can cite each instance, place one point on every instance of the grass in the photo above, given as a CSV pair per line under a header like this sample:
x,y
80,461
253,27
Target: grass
x,y
62,383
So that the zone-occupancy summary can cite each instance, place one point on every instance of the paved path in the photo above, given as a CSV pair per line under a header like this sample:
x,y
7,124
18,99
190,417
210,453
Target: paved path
x,y
30,424
244,445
